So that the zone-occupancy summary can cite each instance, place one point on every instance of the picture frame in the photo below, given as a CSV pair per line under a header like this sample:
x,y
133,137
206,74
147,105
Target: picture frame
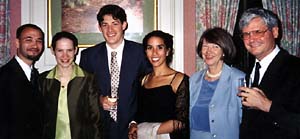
x,y
81,19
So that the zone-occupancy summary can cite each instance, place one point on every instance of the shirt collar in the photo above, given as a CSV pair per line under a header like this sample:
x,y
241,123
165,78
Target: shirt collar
x,y
26,68
264,63
268,59
119,49
77,72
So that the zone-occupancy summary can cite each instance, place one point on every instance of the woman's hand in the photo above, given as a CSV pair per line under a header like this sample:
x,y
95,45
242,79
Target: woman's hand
x,y
132,134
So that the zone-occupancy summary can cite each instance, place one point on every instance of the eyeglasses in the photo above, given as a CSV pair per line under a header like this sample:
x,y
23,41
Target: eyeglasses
x,y
255,33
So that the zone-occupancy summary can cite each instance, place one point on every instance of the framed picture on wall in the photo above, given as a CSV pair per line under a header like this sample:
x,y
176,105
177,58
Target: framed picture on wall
x,y
80,18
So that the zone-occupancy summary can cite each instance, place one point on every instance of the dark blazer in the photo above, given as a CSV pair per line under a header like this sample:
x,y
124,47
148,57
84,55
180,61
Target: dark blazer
x,y
83,105
20,107
281,84
134,64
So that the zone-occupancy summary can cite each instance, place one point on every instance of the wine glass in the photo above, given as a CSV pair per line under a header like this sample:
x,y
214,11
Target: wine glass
x,y
113,99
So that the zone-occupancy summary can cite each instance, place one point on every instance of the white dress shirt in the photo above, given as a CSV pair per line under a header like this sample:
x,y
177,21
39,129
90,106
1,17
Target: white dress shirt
x,y
26,68
264,63
119,51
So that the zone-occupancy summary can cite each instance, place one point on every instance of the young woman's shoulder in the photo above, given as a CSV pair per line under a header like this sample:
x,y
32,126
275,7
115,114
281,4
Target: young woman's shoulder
x,y
179,77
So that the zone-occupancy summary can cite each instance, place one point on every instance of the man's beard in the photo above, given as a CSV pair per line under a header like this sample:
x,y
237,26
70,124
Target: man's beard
x,y
34,57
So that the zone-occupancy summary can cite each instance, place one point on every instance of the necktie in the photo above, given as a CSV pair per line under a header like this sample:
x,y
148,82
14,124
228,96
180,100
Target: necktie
x,y
114,73
256,75
33,78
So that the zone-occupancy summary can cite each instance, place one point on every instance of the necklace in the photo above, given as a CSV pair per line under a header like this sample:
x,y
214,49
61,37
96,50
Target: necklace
x,y
213,75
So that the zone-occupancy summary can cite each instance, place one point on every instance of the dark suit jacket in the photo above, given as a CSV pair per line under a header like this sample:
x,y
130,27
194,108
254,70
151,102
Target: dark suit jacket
x,y
83,105
281,84
20,107
134,64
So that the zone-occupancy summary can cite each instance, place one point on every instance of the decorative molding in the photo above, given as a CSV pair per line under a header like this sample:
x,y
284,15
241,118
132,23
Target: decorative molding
x,y
35,12
170,19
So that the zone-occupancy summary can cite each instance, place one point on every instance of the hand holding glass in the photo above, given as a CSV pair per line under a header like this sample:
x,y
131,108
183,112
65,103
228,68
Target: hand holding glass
x,y
242,82
113,99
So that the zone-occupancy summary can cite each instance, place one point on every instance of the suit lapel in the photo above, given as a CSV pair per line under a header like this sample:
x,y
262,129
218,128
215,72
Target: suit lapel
x,y
224,79
101,62
273,73
127,62
197,87
221,88
18,70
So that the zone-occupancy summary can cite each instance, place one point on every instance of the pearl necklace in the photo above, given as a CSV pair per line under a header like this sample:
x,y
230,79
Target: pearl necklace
x,y
213,75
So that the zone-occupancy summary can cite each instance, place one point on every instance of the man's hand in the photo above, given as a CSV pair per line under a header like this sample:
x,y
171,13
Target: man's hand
x,y
255,98
105,103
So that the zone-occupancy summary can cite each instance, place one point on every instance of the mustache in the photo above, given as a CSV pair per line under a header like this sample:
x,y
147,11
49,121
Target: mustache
x,y
35,57
34,49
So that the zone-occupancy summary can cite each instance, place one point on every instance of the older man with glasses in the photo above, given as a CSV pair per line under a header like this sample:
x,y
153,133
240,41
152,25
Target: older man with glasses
x,y
275,96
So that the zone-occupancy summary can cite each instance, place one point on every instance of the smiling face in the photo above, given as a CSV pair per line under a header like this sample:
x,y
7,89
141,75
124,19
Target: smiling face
x,y
30,45
112,30
211,54
262,45
64,53
156,52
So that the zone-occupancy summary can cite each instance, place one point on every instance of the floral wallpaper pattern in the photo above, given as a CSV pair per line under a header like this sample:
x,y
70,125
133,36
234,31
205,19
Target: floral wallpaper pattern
x,y
4,32
289,13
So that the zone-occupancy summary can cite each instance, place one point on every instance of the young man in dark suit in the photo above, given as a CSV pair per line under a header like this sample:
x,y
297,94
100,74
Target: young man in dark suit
x,y
131,63
274,100
20,102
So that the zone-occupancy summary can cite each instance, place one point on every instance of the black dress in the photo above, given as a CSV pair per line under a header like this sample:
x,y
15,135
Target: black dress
x,y
160,104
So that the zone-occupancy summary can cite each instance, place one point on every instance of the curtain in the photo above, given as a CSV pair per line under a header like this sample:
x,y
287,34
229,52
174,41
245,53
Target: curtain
x,y
214,13
4,32
289,14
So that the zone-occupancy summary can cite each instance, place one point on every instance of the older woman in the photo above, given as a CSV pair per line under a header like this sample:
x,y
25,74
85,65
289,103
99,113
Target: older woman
x,y
163,97
215,109
70,94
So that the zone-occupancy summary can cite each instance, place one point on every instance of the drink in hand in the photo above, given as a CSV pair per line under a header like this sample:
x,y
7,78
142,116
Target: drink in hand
x,y
112,99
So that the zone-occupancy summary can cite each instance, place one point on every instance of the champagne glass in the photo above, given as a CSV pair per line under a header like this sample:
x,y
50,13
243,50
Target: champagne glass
x,y
113,99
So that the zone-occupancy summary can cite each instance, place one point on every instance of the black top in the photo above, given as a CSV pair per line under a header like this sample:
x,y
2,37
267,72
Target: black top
x,y
156,104
160,104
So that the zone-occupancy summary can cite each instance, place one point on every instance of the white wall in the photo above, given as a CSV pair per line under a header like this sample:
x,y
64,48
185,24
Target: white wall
x,y
170,19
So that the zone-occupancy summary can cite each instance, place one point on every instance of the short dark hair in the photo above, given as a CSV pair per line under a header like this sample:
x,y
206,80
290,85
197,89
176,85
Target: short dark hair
x,y
114,10
168,41
64,34
23,27
223,39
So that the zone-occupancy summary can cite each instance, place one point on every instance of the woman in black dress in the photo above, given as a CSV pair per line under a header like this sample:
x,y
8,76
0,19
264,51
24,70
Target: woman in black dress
x,y
163,98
